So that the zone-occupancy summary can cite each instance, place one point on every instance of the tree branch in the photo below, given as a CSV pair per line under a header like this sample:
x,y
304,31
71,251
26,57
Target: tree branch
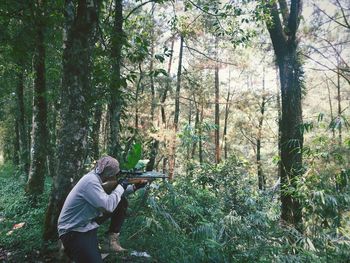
x,y
208,57
328,68
205,11
343,13
331,18
294,17
137,7
284,10
275,29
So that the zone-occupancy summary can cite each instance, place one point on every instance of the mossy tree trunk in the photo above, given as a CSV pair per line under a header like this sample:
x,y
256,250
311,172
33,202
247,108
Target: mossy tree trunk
x,y
283,36
22,148
39,141
116,100
80,23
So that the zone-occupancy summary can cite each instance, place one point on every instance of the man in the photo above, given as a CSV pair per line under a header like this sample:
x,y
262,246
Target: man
x,y
87,206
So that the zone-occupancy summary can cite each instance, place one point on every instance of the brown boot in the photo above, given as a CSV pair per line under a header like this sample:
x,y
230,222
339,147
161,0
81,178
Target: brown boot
x,y
113,243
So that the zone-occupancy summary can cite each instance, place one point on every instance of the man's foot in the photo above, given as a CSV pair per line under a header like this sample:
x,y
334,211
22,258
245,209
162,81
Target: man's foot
x,y
113,244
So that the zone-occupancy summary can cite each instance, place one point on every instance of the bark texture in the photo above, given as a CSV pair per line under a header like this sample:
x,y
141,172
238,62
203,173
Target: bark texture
x,y
40,134
80,19
172,158
116,101
22,148
283,36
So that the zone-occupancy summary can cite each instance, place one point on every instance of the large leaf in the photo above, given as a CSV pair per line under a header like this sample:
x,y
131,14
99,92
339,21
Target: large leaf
x,y
133,157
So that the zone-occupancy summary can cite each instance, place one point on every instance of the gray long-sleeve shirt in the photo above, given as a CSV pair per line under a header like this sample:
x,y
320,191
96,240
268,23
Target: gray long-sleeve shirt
x,y
85,202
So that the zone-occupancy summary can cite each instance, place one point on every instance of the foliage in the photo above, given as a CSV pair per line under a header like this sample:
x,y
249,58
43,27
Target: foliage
x,y
23,242
133,157
325,193
216,215
213,214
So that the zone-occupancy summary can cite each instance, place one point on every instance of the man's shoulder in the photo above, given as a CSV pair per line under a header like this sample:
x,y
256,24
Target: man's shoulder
x,y
89,178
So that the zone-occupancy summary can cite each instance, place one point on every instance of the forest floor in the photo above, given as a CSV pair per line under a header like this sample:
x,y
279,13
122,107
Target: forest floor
x,y
43,257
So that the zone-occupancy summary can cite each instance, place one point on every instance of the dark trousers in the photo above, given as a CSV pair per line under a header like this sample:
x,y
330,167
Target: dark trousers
x,y
83,246
117,217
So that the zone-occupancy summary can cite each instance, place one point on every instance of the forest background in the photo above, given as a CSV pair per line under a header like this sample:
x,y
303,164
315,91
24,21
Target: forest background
x,y
244,104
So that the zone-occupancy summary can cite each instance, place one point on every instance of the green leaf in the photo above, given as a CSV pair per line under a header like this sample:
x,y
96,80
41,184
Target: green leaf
x,y
160,71
159,57
133,157
320,117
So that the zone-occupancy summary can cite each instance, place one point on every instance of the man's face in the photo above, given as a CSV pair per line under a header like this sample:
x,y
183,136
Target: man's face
x,y
109,178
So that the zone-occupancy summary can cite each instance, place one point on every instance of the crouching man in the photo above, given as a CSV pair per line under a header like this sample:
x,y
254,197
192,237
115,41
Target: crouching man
x,y
87,206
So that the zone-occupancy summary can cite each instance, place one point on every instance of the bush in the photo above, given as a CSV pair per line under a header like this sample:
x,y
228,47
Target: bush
x,y
21,221
216,214
213,214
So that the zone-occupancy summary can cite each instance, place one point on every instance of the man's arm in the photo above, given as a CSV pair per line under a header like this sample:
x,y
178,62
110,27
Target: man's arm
x,y
97,197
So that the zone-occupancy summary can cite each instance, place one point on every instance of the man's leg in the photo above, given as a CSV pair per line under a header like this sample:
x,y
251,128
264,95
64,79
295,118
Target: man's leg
x,y
117,219
82,247
118,216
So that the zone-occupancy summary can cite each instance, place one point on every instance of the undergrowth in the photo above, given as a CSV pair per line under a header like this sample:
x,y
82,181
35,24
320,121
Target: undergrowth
x,y
213,214
21,220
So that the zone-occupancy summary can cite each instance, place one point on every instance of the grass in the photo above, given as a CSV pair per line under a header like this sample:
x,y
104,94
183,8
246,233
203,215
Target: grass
x,y
20,221
177,222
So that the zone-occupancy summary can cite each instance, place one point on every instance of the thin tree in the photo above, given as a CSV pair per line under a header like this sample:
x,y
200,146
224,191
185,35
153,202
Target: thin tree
x,y
35,184
227,111
116,100
155,142
177,110
22,141
261,176
330,106
217,107
339,117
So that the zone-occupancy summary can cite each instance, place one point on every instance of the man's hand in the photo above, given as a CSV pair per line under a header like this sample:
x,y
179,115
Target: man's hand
x,y
139,185
124,183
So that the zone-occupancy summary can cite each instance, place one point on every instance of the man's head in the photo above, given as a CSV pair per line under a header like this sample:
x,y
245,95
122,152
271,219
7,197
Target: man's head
x,y
107,168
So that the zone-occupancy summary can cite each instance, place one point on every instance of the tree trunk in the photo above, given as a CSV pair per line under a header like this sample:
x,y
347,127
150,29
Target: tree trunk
x,y
16,147
138,89
261,176
339,118
217,116
155,142
227,111
35,184
116,101
104,130
291,137
168,84
285,47
95,133
196,130
172,158
162,101
330,107
200,150
52,124
279,117
72,136
23,149
151,68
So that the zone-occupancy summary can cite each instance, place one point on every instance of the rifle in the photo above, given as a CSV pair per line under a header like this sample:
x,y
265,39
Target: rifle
x,y
133,177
